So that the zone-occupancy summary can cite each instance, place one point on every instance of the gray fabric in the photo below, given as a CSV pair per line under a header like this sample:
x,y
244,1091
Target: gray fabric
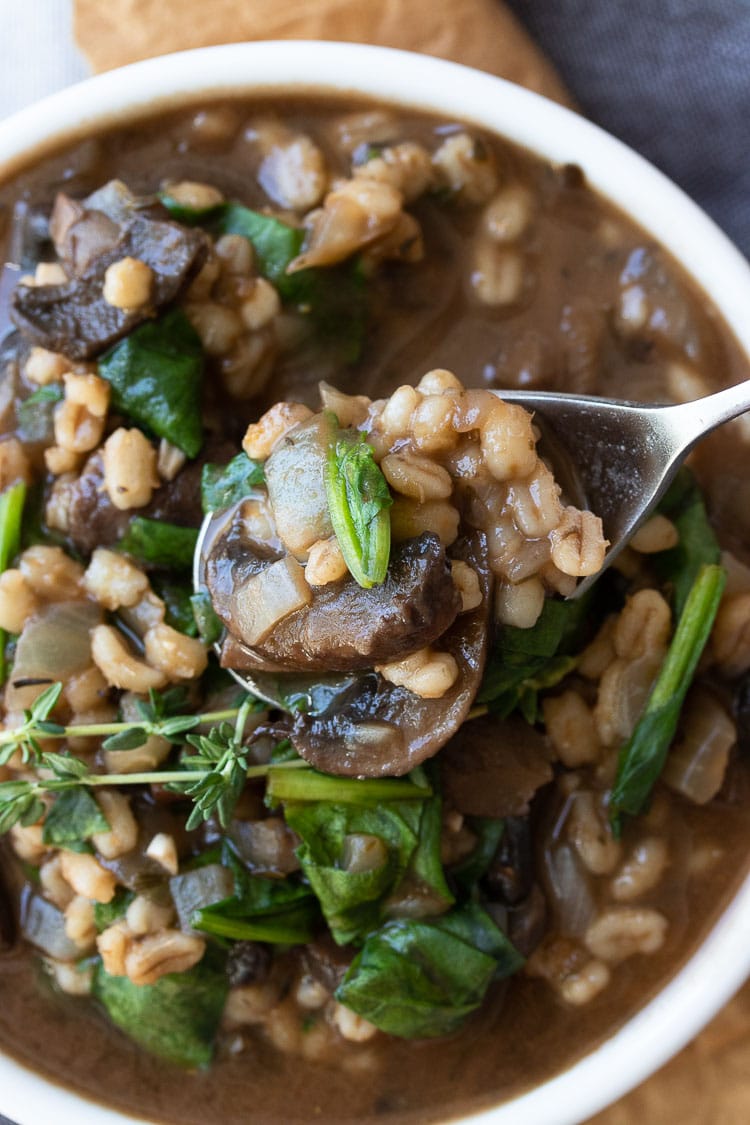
x,y
669,77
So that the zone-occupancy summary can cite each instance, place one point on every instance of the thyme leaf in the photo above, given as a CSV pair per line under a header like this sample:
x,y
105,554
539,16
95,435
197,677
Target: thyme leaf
x,y
213,777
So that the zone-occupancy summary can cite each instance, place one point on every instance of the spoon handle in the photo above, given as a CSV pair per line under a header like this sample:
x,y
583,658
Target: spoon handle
x,y
693,420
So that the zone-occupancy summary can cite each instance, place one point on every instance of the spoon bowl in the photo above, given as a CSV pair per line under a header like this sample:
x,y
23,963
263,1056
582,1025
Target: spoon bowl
x,y
619,458
614,457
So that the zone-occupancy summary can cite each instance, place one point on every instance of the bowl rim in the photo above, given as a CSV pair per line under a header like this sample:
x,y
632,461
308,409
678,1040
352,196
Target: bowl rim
x,y
722,962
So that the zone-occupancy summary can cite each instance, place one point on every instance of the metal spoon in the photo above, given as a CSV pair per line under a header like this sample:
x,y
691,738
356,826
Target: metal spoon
x,y
616,458
620,457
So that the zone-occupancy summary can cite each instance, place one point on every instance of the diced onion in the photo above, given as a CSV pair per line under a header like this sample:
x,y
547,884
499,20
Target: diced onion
x,y
363,852
270,596
572,900
54,645
698,760
200,888
43,925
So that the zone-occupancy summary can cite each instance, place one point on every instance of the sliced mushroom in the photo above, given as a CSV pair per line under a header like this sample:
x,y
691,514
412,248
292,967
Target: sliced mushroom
x,y
92,520
493,767
344,628
374,729
74,318
80,234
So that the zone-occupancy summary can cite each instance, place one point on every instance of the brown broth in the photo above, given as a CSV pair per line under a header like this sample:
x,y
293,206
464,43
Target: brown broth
x,y
562,335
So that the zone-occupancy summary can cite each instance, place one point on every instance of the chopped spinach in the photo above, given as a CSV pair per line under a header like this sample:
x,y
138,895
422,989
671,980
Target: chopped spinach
x,y
11,514
224,485
208,624
310,785
425,869
276,244
177,598
698,546
526,660
106,913
291,927
157,543
355,900
352,900
642,758
466,875
35,413
156,373
177,1017
279,911
334,298
418,979
72,819
190,216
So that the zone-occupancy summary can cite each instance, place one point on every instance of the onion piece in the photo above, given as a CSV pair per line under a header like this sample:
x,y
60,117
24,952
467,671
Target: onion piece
x,y
54,645
196,889
698,759
266,846
570,895
269,596
43,925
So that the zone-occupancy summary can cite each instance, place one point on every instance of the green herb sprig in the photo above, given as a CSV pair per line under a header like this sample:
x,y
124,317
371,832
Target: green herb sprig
x,y
213,778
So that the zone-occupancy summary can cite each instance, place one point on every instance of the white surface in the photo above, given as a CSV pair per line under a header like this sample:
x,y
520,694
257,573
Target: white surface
x,y
37,53
723,962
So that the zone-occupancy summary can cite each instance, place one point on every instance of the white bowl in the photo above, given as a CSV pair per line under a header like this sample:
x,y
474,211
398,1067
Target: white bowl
x,y
722,963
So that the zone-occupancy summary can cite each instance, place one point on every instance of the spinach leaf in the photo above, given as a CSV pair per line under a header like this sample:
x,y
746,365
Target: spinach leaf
x,y
72,819
309,785
290,927
355,898
418,979
11,513
177,598
157,543
190,216
33,527
467,874
205,619
276,244
425,872
333,298
156,373
697,546
35,413
351,899
280,911
224,485
358,500
642,758
526,660
177,1018
106,913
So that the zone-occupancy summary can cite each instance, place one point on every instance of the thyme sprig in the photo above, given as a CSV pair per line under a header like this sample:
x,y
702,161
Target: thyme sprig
x,y
213,777
154,719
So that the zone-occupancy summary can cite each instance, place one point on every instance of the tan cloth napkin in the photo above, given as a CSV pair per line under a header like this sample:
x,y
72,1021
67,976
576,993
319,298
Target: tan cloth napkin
x,y
709,1082
480,33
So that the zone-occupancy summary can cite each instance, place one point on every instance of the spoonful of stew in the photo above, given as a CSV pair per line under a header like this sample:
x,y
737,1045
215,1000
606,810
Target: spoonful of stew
x,y
357,581
619,458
